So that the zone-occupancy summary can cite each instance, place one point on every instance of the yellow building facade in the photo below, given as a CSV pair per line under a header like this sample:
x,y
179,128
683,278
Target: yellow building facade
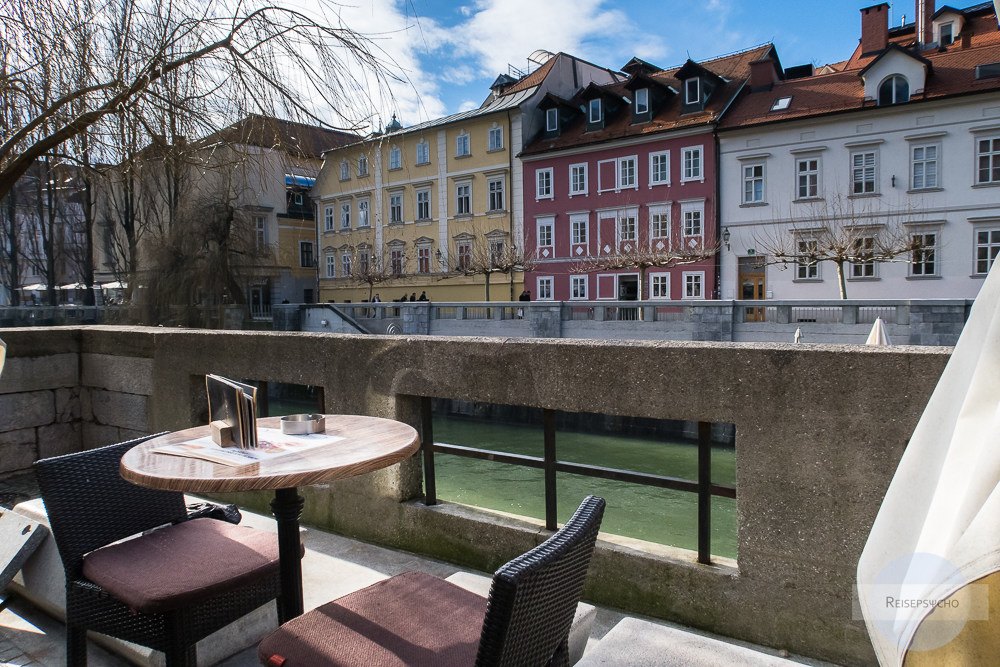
x,y
416,211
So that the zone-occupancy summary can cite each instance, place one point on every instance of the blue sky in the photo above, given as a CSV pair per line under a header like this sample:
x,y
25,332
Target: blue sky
x,y
450,52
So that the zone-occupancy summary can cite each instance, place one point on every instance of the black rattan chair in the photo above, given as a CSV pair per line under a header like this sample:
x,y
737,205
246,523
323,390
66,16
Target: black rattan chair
x,y
165,589
417,619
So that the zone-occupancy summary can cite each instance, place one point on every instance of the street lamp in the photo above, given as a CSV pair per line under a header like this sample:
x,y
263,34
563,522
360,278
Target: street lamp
x,y
726,236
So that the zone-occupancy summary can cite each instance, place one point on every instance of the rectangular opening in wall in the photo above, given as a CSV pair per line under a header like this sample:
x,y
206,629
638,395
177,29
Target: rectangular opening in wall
x,y
276,399
647,469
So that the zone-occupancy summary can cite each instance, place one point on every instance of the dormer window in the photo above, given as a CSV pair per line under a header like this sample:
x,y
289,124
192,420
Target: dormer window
x,y
692,91
894,90
947,34
595,111
551,119
641,101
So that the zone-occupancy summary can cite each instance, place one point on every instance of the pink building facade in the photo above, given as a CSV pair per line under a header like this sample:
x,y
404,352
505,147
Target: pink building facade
x,y
621,183
581,206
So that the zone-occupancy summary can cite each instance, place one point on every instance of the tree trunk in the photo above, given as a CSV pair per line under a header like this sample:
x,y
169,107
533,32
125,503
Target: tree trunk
x,y
487,276
841,280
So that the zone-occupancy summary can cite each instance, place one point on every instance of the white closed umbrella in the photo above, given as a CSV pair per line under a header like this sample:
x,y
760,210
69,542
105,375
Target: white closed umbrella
x,y
933,553
878,335
3,354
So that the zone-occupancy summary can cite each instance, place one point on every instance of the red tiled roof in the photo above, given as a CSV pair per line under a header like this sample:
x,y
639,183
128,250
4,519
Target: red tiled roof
x,y
952,73
533,79
734,69
294,138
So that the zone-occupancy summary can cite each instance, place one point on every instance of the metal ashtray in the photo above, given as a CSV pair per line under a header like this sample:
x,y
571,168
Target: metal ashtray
x,y
301,424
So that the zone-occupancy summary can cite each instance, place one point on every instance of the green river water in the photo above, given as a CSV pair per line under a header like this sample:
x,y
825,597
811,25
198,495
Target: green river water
x,y
642,512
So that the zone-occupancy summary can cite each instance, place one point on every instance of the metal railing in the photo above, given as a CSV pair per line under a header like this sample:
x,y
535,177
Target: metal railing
x,y
550,464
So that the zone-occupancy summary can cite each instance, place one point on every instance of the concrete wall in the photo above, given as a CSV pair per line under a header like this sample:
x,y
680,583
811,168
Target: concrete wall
x,y
910,322
819,432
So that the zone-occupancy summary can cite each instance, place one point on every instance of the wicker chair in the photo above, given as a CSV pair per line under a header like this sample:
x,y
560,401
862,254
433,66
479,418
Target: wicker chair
x,y
417,619
166,589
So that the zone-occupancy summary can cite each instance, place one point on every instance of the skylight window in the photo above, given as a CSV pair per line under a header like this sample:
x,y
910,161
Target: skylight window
x,y
781,104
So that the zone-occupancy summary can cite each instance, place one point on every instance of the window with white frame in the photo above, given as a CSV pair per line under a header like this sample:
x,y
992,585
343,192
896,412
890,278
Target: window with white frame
x,y
753,183
396,261
578,228
659,168
987,246
306,254
364,261
692,217
496,138
807,178
924,166
807,268
424,204
424,259
497,252
345,215
545,233
463,199
423,152
495,187
694,282
578,287
578,179
260,231
543,183
988,159
692,91
331,266
641,101
691,164
659,223
864,264
543,288
923,261
894,90
594,115
659,286
364,217
345,170
345,265
362,165
863,169
947,35
551,119
395,207
329,215
626,227
626,172
464,253
462,145
395,158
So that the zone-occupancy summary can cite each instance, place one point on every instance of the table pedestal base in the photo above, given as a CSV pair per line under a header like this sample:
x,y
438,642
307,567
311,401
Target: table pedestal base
x,y
287,508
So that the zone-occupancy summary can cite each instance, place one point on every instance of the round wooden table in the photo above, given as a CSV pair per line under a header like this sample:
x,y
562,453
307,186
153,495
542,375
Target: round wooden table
x,y
367,444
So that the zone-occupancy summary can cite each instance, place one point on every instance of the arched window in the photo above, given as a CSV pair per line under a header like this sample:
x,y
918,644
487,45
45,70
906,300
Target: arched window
x,y
894,90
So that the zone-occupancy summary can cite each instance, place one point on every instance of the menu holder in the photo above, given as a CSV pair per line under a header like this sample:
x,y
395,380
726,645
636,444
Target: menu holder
x,y
232,408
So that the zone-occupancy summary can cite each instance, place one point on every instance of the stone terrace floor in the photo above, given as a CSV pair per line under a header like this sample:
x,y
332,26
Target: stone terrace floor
x,y
333,566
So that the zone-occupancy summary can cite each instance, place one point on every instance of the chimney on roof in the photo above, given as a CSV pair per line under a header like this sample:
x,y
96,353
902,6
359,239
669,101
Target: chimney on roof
x,y
923,30
763,74
874,28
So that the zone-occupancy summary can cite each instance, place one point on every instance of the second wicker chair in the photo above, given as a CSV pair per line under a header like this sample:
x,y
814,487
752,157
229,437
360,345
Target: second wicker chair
x,y
416,619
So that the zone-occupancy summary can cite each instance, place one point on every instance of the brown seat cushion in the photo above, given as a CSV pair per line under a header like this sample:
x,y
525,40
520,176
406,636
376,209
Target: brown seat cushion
x,y
410,619
182,564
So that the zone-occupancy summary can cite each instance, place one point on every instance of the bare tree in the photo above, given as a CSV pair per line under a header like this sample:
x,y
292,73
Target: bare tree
x,y
644,259
493,255
849,235
72,68
373,269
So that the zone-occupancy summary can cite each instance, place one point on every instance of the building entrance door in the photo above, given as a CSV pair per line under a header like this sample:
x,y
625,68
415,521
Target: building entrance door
x,y
752,287
628,290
